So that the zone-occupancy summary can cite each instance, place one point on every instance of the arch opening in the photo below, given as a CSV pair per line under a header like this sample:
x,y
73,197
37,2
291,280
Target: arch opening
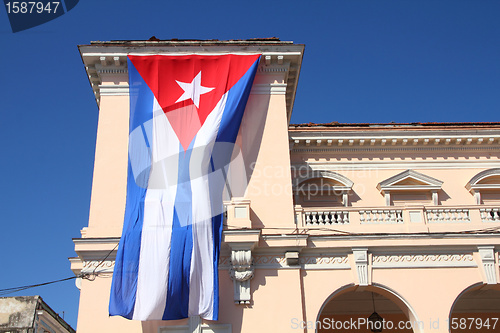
x,y
476,309
322,189
350,309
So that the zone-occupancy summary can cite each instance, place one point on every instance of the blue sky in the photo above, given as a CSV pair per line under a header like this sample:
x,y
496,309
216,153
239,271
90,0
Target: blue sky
x,y
365,61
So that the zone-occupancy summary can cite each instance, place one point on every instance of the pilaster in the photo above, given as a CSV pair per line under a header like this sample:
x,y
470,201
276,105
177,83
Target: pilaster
x,y
487,254
361,264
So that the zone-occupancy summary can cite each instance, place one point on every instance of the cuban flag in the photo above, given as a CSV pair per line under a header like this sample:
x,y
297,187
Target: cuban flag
x,y
185,114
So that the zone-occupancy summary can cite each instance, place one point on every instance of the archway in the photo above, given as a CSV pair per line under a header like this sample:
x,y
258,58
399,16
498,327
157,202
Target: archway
x,y
476,309
351,309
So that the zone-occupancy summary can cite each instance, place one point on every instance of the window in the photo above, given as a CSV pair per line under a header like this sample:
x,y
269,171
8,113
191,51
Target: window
x,y
323,188
485,186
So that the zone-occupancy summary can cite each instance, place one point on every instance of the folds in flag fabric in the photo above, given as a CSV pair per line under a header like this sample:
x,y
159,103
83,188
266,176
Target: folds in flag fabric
x,y
185,113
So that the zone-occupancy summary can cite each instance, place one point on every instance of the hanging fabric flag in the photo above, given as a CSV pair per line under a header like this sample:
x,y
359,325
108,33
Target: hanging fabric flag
x,y
185,113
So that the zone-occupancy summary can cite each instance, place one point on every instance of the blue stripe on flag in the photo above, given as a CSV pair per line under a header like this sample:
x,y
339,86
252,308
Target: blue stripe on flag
x,y
216,236
181,248
228,131
124,285
231,119
235,106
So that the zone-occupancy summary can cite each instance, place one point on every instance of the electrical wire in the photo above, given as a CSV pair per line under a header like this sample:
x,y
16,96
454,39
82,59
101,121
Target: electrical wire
x,y
92,276
336,232
290,228
89,276
7,291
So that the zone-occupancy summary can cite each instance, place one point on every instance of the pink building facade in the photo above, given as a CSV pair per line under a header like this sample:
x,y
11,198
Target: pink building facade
x,y
337,221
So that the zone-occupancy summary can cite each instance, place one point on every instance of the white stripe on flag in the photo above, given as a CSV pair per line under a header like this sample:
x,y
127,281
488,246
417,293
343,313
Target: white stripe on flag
x,y
158,215
201,285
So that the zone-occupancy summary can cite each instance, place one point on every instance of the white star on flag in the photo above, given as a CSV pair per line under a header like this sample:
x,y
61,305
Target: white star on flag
x,y
193,90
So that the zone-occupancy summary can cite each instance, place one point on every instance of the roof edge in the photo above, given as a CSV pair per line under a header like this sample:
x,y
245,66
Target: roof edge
x,y
392,125
153,41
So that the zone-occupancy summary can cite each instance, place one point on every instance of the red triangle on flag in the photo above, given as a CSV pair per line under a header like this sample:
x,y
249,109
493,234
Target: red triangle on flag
x,y
170,78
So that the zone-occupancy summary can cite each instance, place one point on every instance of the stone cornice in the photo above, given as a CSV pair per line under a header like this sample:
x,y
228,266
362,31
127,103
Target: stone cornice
x,y
110,58
392,139
192,46
342,166
408,236
400,241
450,127
89,249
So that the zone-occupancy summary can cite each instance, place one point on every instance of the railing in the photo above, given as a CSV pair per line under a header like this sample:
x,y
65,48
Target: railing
x,y
381,216
490,214
326,217
445,215
398,219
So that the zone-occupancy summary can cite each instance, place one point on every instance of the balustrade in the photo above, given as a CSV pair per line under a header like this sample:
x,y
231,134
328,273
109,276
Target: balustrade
x,y
447,215
381,216
490,214
352,217
326,217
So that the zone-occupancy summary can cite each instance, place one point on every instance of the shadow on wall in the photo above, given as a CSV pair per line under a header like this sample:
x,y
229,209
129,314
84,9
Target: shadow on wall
x,y
250,138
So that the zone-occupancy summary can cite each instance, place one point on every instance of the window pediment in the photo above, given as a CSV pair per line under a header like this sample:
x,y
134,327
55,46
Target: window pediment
x,y
325,187
330,178
487,179
410,180
485,185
